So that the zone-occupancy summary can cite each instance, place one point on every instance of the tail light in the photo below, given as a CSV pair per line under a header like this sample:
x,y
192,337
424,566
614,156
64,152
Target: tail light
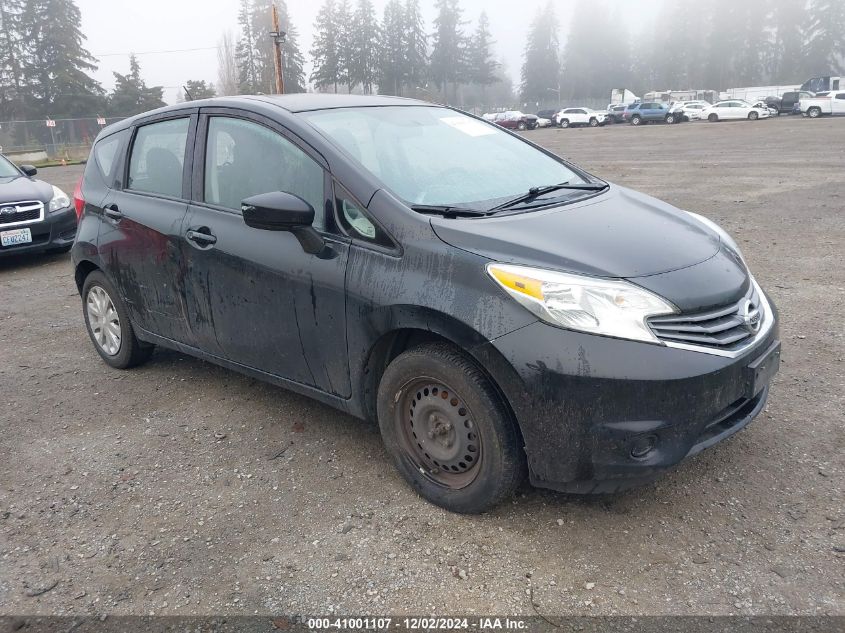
x,y
78,200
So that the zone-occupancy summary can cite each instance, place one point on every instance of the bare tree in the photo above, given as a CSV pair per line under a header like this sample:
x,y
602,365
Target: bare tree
x,y
227,65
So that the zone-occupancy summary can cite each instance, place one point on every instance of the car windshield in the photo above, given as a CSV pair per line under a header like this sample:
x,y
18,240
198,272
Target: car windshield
x,y
435,156
7,169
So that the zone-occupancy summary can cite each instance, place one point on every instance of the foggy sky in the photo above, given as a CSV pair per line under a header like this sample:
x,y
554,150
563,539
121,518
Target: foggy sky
x,y
124,26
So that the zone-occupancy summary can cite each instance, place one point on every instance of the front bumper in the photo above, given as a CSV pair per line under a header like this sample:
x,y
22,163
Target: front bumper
x,y
57,230
599,414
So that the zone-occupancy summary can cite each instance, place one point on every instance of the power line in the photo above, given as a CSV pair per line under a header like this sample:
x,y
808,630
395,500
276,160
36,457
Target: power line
x,y
177,50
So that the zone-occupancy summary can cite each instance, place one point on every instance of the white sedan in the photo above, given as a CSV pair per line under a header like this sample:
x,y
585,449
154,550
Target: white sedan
x,y
733,110
541,122
570,117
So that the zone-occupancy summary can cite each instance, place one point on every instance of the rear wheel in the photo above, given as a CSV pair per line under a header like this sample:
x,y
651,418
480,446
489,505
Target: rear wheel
x,y
636,120
107,321
448,431
814,113
713,118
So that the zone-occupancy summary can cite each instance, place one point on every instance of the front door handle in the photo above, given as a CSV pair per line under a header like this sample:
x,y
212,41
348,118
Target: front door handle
x,y
111,211
201,237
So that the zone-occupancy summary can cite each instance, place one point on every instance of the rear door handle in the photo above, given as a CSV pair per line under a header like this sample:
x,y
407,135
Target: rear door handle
x,y
111,211
201,238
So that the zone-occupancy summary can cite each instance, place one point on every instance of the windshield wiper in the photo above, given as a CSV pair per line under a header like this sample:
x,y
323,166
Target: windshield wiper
x,y
536,192
449,211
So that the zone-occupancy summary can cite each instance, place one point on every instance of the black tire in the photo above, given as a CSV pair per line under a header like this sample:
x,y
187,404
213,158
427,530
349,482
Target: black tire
x,y
814,113
413,377
564,123
670,119
521,125
753,116
131,352
636,120
594,122
713,118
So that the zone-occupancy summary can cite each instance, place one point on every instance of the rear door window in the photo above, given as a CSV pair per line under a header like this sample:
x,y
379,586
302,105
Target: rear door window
x,y
158,158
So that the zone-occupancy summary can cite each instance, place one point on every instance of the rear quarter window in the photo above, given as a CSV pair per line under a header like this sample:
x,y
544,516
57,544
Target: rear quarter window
x,y
105,154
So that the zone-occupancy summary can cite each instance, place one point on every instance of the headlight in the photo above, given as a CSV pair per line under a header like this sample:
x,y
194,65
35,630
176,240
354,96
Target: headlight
x,y
722,233
587,304
59,200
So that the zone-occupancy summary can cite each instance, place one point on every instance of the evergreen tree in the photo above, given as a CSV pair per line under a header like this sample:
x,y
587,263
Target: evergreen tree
x,y
676,29
326,49
131,95
481,65
784,56
542,57
293,62
824,49
57,60
365,46
345,48
12,93
415,59
392,53
248,78
449,47
198,89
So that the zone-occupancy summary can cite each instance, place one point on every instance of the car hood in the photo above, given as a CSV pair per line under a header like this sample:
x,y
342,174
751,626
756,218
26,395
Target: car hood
x,y
620,233
21,189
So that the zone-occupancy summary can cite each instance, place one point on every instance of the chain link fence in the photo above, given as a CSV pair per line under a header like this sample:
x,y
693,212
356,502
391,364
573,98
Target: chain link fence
x,y
51,139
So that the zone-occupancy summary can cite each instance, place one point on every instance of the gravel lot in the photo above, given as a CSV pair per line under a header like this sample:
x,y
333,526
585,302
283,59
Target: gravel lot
x,y
183,488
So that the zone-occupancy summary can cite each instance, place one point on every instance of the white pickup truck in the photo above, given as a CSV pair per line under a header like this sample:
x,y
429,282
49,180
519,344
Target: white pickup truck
x,y
823,103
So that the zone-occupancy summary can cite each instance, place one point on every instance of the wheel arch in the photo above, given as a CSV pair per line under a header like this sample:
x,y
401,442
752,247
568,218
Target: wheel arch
x,y
83,269
412,326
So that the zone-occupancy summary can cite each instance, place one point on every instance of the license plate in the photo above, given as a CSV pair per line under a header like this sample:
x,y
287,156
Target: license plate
x,y
15,237
761,371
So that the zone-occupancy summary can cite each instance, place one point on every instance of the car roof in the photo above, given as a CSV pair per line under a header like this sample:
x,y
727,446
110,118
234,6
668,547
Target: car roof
x,y
299,102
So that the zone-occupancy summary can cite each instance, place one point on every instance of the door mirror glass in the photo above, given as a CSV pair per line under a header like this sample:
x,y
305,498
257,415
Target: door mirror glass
x,y
277,211
29,170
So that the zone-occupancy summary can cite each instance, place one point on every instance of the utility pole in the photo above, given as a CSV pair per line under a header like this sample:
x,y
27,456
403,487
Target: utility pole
x,y
278,40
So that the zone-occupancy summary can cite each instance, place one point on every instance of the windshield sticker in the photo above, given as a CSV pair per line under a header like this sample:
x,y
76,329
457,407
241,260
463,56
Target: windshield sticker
x,y
468,126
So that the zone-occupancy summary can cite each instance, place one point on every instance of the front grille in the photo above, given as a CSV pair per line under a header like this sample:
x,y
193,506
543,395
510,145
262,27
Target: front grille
x,y
19,212
724,328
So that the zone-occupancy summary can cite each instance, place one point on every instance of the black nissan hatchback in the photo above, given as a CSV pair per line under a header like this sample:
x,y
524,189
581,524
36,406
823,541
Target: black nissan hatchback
x,y
500,312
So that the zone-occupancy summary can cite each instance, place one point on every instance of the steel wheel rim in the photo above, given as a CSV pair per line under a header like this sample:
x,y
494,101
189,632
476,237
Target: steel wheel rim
x,y
438,434
103,320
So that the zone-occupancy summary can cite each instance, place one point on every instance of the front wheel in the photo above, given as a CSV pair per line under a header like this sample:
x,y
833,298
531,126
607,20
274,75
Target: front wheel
x,y
448,431
636,120
670,119
752,116
594,123
564,123
713,118
521,126
108,325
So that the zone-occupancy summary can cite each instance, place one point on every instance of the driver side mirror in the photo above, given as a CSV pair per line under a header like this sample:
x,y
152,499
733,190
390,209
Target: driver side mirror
x,y
29,170
280,211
